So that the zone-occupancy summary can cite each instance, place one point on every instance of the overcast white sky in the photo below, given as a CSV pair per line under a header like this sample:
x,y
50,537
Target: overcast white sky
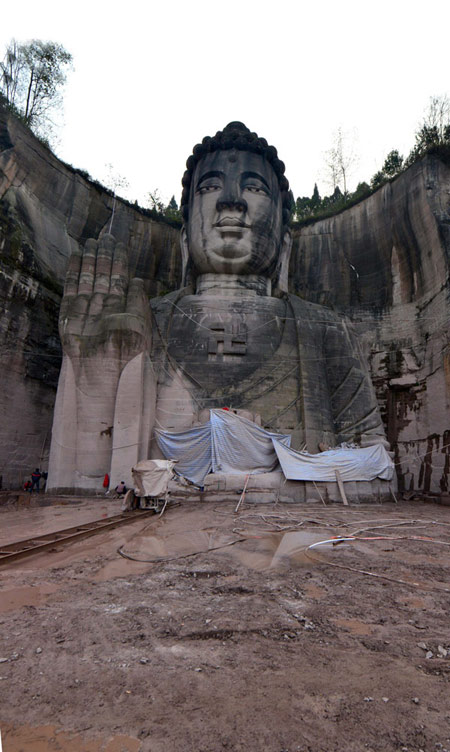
x,y
151,79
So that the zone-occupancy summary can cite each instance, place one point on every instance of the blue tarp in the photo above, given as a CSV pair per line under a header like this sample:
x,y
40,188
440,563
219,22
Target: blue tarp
x,y
228,443
353,463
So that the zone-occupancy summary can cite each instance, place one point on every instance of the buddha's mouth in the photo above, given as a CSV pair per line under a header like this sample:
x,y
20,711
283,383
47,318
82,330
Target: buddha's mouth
x,y
230,252
226,222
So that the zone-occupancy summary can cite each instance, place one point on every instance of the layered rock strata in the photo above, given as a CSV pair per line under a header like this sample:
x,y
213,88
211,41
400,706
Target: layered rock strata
x,y
384,263
47,209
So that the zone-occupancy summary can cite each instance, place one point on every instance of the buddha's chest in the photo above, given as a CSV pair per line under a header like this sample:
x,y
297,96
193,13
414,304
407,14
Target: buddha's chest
x,y
221,341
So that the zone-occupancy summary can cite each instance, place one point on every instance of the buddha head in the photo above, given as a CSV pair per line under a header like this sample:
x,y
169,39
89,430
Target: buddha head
x,y
236,206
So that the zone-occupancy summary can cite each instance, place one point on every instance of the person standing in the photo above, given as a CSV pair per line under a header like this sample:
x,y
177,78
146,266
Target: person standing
x,y
35,479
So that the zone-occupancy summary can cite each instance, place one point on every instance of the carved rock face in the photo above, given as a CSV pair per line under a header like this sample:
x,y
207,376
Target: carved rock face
x,y
235,215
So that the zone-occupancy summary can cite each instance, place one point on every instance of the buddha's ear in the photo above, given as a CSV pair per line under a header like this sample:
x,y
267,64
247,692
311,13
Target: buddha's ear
x,y
282,272
184,256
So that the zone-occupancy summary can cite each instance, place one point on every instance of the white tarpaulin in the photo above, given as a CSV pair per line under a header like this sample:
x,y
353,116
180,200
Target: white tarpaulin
x,y
353,464
227,443
151,477
231,444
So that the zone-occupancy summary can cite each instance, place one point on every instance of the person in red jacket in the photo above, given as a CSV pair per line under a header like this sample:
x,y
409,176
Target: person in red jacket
x,y
35,478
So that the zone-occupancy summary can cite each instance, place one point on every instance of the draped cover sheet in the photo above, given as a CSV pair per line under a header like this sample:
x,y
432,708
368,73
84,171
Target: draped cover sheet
x,y
353,464
151,477
228,443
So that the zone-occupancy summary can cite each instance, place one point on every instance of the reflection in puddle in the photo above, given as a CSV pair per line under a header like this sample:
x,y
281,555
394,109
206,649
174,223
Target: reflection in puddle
x,y
255,551
120,568
17,523
25,596
47,739
292,547
180,544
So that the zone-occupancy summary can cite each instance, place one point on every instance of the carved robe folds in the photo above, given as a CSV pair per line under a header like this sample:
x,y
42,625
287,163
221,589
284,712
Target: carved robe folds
x,y
295,364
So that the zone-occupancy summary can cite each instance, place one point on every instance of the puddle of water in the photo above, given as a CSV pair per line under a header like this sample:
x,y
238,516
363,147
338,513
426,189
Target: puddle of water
x,y
47,739
260,552
120,568
153,547
292,547
25,596
49,519
275,550
354,626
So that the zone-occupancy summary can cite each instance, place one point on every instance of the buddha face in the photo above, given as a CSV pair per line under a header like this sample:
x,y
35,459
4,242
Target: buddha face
x,y
235,215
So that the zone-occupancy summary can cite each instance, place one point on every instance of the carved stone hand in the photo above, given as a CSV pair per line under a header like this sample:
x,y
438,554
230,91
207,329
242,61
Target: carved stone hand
x,y
105,381
101,313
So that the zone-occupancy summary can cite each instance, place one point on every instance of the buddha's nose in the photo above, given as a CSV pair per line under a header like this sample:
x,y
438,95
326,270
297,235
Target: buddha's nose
x,y
231,198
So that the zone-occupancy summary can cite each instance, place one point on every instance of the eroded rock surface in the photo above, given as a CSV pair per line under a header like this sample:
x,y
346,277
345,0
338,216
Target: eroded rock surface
x,y
47,210
384,263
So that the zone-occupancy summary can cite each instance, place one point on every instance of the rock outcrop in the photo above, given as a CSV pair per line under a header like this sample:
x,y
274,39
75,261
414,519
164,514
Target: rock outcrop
x,y
46,210
383,262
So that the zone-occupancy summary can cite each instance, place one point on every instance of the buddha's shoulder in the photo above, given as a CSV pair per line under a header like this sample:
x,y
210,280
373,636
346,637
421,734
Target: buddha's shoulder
x,y
164,305
313,311
162,301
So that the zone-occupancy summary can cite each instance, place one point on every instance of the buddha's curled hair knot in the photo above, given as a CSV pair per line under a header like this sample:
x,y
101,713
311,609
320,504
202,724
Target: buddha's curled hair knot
x,y
237,136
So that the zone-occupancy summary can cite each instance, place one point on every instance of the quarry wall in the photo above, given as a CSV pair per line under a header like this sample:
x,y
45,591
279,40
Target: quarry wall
x,y
384,263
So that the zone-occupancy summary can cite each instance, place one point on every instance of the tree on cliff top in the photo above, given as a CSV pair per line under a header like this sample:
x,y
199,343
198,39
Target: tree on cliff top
x,y
31,78
340,160
434,131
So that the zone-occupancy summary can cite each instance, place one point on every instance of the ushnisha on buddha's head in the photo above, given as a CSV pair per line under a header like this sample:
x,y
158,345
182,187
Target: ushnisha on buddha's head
x,y
236,206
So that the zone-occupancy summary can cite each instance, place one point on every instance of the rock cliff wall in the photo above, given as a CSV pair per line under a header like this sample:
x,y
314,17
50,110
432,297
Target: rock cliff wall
x,y
383,262
46,210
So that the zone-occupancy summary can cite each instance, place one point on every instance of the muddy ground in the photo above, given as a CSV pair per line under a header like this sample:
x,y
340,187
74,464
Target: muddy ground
x,y
229,633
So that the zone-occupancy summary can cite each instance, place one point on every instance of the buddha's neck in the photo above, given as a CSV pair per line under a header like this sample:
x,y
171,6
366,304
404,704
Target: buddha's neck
x,y
233,285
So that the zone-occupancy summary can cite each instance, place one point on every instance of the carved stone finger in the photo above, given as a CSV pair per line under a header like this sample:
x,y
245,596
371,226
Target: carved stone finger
x,y
64,309
88,263
80,306
137,302
119,272
105,253
72,316
73,273
96,302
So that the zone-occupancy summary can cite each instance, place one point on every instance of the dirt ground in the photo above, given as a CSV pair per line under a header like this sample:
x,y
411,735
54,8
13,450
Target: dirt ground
x,y
229,633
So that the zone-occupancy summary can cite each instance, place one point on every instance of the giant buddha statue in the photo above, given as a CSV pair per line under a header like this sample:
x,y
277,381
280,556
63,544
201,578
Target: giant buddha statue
x,y
231,336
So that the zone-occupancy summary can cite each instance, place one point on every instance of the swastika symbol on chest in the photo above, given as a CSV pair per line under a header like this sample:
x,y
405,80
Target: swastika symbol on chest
x,y
227,339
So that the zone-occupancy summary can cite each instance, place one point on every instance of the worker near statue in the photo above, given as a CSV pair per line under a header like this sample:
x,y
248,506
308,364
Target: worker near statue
x,y
231,335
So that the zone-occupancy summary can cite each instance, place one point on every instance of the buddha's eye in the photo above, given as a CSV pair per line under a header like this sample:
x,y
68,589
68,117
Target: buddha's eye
x,y
208,188
255,188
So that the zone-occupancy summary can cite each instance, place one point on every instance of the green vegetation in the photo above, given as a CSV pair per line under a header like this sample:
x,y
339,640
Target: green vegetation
x,y
31,78
432,137
309,210
170,213
33,74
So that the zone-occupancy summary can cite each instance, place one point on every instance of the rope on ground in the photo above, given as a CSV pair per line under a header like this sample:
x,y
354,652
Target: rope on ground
x,y
366,572
181,556
422,523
